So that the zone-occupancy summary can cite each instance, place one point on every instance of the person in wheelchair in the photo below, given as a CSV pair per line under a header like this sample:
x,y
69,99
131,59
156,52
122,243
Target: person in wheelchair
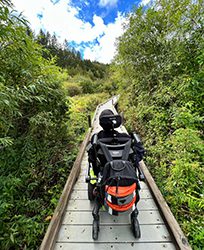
x,y
113,171
109,135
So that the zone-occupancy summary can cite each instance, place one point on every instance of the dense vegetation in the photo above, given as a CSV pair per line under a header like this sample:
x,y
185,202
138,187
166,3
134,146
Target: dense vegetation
x,y
160,73
159,70
40,129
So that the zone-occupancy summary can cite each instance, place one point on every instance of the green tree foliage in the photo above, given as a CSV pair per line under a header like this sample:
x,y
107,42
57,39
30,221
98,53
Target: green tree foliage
x,y
40,128
160,70
35,155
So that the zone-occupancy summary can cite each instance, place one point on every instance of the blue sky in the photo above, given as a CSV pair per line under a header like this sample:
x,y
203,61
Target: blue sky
x,y
91,26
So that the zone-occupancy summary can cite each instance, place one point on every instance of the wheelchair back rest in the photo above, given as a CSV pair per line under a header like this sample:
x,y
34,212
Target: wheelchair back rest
x,y
114,140
116,151
112,152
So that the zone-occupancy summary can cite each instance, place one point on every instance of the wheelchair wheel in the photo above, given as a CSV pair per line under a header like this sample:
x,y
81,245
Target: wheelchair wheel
x,y
135,227
95,229
90,191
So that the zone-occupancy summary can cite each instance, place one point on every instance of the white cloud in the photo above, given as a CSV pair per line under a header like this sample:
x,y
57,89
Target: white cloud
x,y
105,50
107,3
145,2
61,19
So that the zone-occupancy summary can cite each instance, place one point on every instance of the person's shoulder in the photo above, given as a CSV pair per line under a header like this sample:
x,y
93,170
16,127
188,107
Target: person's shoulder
x,y
99,135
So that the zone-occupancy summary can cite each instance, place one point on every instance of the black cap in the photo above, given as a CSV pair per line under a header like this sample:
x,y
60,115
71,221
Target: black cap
x,y
109,121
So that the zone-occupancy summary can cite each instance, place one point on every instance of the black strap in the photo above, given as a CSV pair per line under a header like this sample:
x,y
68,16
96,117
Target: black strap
x,y
106,152
126,151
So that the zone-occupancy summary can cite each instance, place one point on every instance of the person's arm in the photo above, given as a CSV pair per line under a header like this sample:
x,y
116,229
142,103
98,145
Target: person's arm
x,y
139,153
138,147
91,148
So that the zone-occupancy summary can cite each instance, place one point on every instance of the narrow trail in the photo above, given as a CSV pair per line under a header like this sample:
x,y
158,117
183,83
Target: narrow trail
x,y
75,226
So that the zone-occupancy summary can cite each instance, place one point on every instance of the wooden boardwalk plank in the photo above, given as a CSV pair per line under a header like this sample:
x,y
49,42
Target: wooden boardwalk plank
x,y
113,233
85,218
83,194
86,205
115,246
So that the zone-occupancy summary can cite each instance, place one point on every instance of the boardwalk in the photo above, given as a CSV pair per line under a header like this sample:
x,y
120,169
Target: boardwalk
x,y
75,232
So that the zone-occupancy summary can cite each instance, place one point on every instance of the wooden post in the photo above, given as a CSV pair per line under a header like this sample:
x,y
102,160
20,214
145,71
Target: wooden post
x,y
89,120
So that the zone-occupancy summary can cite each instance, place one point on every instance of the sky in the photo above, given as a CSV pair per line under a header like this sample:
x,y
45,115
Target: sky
x,y
90,26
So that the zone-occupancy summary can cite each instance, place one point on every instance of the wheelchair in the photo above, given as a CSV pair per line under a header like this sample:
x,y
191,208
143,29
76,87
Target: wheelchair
x,y
114,173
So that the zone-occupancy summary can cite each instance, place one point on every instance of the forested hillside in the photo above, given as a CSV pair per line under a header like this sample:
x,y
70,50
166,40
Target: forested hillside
x,y
40,129
68,58
81,76
160,74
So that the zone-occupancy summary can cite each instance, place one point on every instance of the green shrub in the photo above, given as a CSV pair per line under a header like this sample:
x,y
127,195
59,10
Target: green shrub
x,y
80,108
86,83
72,88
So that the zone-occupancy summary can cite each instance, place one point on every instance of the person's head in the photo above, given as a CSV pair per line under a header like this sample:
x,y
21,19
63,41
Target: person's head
x,y
106,112
108,121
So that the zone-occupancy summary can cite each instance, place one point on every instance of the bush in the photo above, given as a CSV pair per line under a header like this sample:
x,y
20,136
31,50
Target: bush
x,y
88,86
72,88
80,108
